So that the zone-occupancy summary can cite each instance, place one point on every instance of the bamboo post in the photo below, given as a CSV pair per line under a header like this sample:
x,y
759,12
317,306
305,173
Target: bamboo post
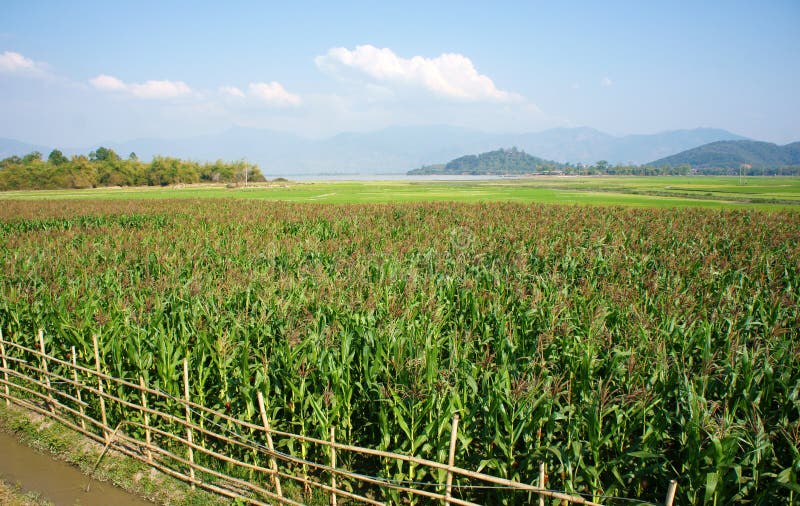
x,y
272,464
147,436
189,450
451,462
673,487
46,374
542,479
77,388
106,434
5,368
333,466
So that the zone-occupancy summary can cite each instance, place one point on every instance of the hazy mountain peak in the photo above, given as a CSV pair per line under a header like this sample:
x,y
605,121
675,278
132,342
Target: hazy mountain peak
x,y
733,154
400,148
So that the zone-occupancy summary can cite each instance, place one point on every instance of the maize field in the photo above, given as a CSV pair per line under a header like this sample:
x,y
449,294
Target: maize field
x,y
622,347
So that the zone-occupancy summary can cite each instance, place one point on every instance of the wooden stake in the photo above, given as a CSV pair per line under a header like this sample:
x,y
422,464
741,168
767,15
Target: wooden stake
x,y
147,436
276,482
46,374
451,461
503,482
333,466
189,450
77,388
541,482
5,368
106,433
67,420
673,487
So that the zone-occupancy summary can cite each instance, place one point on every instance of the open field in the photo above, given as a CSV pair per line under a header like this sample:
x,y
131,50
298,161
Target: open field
x,y
624,347
698,191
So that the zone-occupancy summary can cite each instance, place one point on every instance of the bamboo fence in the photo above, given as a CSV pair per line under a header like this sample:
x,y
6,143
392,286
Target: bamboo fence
x,y
187,447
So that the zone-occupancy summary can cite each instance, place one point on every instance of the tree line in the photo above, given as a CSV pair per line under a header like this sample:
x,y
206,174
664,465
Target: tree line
x,y
104,167
603,168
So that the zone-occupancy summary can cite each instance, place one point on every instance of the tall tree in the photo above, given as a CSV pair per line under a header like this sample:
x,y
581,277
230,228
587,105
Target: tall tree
x,y
103,155
56,157
33,156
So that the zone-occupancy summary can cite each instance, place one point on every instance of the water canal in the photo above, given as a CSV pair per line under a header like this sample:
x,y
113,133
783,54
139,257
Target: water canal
x,y
56,481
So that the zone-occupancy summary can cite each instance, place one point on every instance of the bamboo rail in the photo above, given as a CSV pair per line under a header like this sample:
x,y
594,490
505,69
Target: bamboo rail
x,y
189,450
5,367
100,388
24,383
448,496
273,465
51,402
77,388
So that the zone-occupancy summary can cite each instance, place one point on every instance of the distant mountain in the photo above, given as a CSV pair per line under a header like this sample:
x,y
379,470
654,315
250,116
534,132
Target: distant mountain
x,y
10,147
640,148
732,154
390,150
498,162
588,146
397,149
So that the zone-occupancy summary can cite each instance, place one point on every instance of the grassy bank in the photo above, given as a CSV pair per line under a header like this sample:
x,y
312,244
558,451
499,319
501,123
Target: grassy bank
x,y
11,495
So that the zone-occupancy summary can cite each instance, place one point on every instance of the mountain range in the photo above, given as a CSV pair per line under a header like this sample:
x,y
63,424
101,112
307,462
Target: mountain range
x,y
396,149
733,154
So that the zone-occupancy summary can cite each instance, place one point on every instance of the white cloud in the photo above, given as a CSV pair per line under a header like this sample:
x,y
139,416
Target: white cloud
x,y
449,75
12,62
606,82
231,91
149,89
160,89
273,94
108,83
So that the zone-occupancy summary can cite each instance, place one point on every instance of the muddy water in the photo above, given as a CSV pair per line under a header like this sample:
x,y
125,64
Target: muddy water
x,y
56,481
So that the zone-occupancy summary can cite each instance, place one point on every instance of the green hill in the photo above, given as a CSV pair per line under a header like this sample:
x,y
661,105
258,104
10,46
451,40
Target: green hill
x,y
499,162
733,154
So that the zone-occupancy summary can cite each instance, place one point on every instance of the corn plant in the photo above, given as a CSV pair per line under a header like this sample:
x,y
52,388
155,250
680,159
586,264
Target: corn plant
x,y
621,347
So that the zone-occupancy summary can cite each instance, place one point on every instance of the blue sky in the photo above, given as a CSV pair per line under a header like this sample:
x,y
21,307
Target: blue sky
x,y
79,73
